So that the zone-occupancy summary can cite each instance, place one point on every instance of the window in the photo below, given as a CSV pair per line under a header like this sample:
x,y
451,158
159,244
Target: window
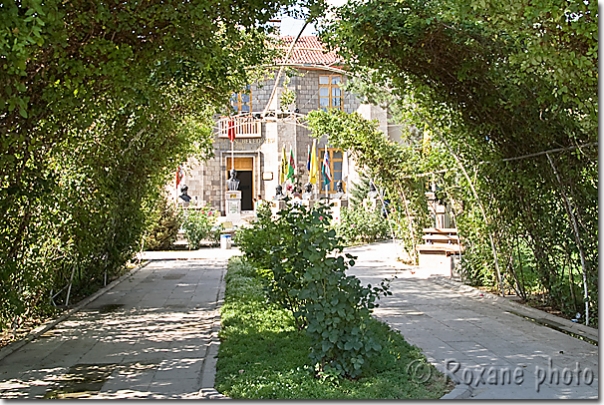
x,y
330,94
335,167
242,101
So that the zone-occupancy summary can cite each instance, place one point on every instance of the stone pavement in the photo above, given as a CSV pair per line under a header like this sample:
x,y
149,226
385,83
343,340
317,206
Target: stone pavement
x,y
498,349
154,335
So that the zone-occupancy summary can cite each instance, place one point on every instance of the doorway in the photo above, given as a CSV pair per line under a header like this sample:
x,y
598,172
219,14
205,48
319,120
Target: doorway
x,y
245,174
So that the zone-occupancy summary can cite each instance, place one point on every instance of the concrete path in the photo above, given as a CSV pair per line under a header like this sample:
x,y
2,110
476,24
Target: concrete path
x,y
493,346
153,335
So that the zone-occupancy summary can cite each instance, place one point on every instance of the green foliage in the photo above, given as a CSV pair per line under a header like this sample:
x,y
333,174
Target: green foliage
x,y
166,221
306,280
392,165
256,241
490,86
360,225
99,103
287,97
198,225
359,192
263,355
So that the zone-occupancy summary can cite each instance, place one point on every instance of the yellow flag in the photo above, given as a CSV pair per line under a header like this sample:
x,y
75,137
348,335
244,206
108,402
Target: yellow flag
x,y
283,169
314,164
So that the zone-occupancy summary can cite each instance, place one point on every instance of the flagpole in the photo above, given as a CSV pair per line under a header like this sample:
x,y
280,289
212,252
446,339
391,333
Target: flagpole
x,y
326,185
233,151
231,134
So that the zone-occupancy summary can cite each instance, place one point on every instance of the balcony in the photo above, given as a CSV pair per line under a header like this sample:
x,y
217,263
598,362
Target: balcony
x,y
246,126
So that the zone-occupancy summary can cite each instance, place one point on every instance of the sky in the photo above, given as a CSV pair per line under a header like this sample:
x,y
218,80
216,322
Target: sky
x,y
291,26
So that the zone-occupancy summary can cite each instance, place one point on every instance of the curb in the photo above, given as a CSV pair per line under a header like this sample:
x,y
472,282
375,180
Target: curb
x,y
13,347
533,313
211,393
461,391
208,369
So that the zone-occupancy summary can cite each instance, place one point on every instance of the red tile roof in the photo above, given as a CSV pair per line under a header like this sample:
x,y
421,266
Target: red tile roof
x,y
308,51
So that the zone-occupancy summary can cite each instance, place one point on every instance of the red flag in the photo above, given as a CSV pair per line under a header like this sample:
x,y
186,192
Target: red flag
x,y
179,176
231,130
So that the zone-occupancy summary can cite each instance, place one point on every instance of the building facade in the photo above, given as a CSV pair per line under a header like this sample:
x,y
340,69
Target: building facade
x,y
264,128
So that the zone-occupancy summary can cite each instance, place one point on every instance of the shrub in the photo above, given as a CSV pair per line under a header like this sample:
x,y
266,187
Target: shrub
x,y
263,356
199,225
256,241
359,225
305,278
166,222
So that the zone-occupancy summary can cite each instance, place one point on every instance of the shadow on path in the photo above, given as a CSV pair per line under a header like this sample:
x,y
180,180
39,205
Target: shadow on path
x,y
153,335
500,353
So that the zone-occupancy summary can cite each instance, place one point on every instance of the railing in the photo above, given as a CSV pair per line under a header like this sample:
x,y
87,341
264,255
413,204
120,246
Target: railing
x,y
245,127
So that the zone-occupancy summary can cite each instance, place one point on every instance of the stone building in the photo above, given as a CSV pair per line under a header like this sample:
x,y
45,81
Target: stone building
x,y
264,127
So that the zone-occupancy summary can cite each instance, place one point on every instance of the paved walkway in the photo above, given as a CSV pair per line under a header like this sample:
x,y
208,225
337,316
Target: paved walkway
x,y
154,335
499,349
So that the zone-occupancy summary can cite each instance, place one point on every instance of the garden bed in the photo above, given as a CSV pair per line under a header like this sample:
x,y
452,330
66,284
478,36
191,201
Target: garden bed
x,y
263,356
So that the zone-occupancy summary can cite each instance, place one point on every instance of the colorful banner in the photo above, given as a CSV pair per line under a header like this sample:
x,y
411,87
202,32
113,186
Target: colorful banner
x,y
313,172
326,169
291,168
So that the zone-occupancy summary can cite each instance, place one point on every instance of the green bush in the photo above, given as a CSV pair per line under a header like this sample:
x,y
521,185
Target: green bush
x,y
166,222
263,355
306,278
359,225
256,241
199,225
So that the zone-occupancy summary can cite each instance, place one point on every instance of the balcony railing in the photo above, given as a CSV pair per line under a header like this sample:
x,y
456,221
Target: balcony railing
x,y
245,127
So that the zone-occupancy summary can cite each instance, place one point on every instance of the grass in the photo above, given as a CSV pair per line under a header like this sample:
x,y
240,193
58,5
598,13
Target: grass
x,y
263,356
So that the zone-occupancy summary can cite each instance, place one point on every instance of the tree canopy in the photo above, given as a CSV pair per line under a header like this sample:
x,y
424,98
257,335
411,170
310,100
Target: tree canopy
x,y
509,90
99,102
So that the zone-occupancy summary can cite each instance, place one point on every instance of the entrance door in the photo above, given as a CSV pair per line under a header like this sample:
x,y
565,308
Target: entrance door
x,y
245,174
245,185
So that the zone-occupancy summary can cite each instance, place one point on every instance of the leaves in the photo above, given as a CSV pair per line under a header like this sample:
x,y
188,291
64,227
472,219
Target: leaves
x,y
198,225
99,103
493,85
306,279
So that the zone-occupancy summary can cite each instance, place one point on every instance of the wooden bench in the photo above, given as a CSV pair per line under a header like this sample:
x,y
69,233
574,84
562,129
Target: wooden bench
x,y
444,240
438,238
437,251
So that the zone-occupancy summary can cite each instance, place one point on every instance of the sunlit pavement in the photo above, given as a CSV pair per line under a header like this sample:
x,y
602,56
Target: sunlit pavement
x,y
154,335
479,340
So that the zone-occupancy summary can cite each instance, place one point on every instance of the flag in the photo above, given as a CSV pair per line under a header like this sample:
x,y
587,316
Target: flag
x,y
292,165
345,167
313,172
326,170
308,160
179,176
231,130
283,171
